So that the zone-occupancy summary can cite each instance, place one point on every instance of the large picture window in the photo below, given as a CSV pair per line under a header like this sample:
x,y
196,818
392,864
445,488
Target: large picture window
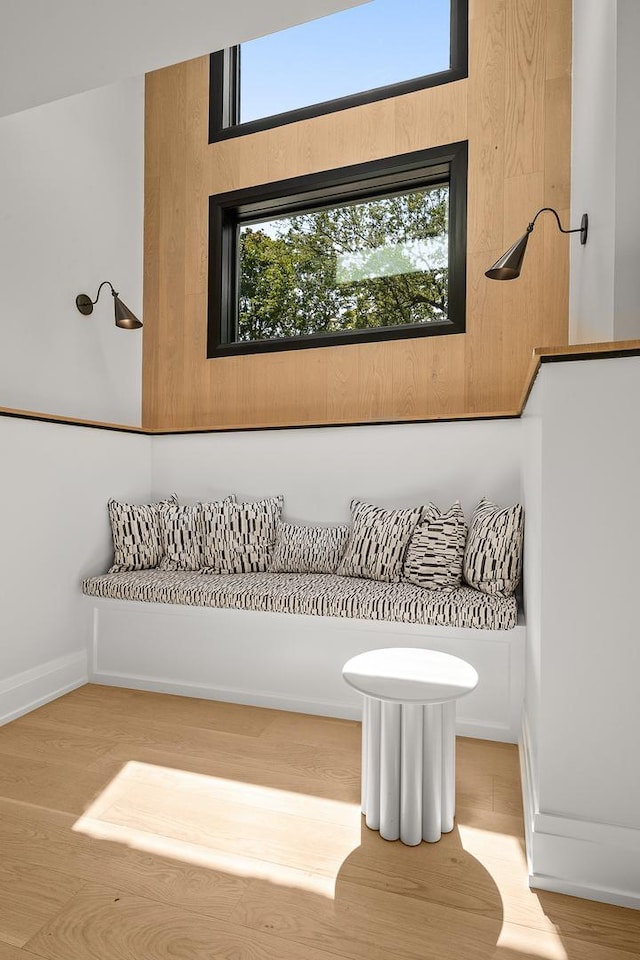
x,y
380,49
369,252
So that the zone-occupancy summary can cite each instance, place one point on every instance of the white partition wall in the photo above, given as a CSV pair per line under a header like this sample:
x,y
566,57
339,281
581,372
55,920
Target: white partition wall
x,y
582,709
54,483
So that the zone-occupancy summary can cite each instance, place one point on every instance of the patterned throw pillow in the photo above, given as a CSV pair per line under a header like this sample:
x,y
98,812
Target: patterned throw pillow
x,y
238,537
378,542
493,555
135,529
300,549
436,551
180,537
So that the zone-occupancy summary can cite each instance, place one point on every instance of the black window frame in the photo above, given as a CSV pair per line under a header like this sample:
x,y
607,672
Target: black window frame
x,y
224,86
377,178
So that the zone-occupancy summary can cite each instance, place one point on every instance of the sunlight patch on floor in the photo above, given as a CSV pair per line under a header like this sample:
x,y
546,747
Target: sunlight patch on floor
x,y
504,859
479,840
548,946
240,828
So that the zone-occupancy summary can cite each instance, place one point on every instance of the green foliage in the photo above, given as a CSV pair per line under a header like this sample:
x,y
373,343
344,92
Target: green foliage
x,y
377,263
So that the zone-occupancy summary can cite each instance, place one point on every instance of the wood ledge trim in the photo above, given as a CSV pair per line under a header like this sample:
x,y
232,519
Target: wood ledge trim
x,y
233,428
579,351
69,421
582,351
607,350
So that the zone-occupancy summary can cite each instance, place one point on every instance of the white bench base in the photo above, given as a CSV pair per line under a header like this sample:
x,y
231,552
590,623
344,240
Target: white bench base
x,y
289,661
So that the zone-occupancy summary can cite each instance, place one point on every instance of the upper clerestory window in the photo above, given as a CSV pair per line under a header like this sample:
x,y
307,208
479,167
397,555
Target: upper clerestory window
x,y
383,48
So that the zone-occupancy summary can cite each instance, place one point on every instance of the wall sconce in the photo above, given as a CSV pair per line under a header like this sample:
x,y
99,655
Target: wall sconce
x,y
510,263
123,316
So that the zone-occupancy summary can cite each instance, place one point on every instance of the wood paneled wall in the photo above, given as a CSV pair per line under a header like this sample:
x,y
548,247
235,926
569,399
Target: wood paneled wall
x,y
515,111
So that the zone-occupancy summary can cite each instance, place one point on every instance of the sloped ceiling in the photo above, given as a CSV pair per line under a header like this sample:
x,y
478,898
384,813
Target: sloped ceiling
x,y
50,50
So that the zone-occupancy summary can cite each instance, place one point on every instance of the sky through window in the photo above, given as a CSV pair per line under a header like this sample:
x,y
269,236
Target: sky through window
x,y
380,43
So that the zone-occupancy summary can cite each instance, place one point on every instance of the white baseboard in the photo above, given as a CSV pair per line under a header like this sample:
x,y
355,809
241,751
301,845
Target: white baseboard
x,y
255,698
252,698
580,858
25,691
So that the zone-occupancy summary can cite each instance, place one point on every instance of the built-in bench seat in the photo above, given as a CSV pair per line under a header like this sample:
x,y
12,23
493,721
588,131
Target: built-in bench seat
x,y
324,595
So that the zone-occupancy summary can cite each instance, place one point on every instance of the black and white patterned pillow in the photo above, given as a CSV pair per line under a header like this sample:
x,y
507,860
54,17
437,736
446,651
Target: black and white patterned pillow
x,y
436,550
135,529
493,555
238,537
212,532
180,537
300,549
378,542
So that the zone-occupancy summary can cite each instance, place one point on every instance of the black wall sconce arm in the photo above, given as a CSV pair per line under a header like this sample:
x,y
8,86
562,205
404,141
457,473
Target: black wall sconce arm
x,y
124,318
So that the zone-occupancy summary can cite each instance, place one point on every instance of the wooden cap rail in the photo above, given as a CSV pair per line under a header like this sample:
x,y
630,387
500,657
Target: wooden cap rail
x,y
579,351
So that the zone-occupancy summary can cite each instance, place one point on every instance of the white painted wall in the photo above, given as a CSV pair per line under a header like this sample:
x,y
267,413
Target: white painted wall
x,y
320,470
590,714
605,281
52,50
626,323
582,710
593,181
71,215
54,485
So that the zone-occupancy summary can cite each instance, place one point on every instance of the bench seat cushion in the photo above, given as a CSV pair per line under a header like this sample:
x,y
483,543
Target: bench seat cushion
x,y
326,595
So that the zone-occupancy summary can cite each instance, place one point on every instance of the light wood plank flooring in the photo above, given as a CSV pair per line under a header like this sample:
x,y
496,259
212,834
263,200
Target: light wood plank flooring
x,y
136,826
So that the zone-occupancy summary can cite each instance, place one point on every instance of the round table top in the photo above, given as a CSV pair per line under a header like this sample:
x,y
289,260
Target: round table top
x,y
410,675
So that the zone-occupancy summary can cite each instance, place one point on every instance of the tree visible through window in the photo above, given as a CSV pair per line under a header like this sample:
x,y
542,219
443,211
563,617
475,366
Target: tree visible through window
x,y
379,263
373,251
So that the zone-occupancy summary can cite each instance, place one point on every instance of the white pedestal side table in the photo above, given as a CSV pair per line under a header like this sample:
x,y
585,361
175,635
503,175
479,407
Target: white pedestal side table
x,y
409,738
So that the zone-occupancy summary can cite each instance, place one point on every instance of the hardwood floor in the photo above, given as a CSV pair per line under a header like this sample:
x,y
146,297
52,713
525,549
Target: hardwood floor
x,y
136,826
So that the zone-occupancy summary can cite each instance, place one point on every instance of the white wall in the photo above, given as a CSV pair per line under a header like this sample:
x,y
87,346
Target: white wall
x,y
593,153
56,480
54,485
582,476
71,215
605,281
590,482
320,470
626,323
52,50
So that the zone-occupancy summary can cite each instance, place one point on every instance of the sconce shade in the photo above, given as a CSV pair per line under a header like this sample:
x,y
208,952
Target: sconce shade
x,y
510,263
124,318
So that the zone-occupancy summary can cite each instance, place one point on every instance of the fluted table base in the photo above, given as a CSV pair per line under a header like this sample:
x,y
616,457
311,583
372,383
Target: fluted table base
x,y
408,769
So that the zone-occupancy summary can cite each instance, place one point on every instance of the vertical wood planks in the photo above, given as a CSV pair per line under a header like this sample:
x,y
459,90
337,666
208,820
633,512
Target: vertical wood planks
x,y
514,109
